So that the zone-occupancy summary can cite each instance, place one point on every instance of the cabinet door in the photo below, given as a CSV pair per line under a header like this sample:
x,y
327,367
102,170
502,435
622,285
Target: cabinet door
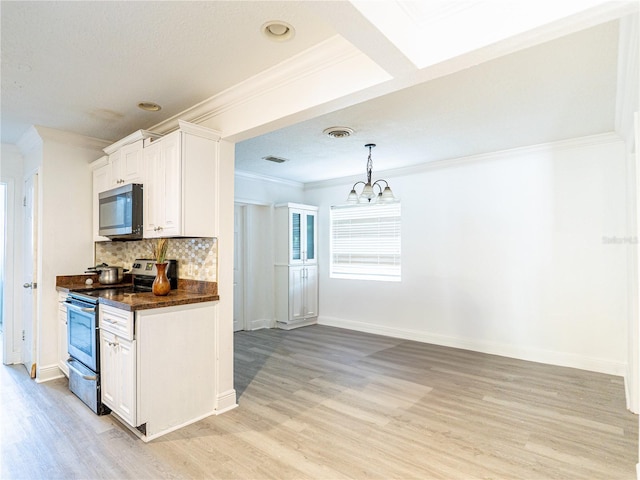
x,y
296,231
172,185
311,291
62,338
126,166
302,236
108,369
296,293
152,199
310,236
162,191
126,400
101,182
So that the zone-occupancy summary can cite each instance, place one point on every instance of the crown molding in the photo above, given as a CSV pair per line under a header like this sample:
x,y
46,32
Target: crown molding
x,y
74,139
627,97
29,141
591,140
266,178
332,51
199,131
36,135
132,138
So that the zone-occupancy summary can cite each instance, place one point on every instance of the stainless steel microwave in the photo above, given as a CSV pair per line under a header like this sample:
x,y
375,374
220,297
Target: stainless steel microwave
x,y
120,213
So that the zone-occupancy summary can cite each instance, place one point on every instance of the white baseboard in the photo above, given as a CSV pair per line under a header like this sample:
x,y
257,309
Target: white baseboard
x,y
305,322
226,402
520,352
259,324
50,372
638,471
631,393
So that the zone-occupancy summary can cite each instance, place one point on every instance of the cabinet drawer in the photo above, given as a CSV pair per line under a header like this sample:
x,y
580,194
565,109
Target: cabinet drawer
x,y
117,321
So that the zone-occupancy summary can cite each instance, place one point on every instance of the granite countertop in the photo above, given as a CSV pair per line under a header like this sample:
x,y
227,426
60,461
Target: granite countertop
x,y
188,291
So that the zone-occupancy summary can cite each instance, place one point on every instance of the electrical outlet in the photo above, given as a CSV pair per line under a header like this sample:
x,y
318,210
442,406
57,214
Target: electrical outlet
x,y
190,269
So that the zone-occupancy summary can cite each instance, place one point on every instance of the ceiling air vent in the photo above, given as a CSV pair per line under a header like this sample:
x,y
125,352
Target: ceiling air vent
x,y
271,158
338,132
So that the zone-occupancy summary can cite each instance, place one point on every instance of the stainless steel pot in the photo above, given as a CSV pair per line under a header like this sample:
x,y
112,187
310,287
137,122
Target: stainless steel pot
x,y
109,275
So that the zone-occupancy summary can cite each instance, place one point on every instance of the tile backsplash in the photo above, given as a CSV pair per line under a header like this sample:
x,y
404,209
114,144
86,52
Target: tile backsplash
x,y
197,257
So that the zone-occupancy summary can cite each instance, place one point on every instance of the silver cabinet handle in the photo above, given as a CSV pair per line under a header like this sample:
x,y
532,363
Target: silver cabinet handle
x,y
90,377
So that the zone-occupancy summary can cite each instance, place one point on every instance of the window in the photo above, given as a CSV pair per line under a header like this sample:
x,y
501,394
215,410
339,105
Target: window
x,y
365,242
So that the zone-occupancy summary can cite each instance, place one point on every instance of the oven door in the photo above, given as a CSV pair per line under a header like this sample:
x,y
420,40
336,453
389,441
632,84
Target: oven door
x,y
82,335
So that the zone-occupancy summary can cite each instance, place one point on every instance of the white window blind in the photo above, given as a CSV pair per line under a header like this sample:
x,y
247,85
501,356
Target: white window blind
x,y
365,242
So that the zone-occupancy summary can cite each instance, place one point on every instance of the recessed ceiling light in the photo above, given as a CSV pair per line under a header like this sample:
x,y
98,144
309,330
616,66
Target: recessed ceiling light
x,y
149,106
278,30
338,132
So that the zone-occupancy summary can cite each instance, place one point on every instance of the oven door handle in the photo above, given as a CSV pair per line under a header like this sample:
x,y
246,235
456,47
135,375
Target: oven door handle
x,y
84,377
82,309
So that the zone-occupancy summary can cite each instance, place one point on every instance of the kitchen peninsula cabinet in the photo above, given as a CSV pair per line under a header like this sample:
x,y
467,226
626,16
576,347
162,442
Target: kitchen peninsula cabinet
x,y
157,366
181,175
296,269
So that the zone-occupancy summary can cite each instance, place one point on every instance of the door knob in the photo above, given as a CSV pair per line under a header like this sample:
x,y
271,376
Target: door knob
x,y
29,285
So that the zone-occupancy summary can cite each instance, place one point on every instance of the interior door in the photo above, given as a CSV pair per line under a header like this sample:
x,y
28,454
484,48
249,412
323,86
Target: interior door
x,y
238,268
30,256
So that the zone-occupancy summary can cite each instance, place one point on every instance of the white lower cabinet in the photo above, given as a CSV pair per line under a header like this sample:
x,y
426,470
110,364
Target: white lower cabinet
x,y
296,296
63,353
118,369
158,366
118,362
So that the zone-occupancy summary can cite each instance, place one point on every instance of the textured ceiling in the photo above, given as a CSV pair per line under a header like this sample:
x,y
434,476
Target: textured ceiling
x,y
558,90
84,66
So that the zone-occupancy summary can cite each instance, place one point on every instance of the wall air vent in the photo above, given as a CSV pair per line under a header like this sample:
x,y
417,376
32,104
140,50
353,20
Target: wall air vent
x,y
271,158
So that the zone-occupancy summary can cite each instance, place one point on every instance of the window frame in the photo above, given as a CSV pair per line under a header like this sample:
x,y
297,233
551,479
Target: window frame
x,y
386,220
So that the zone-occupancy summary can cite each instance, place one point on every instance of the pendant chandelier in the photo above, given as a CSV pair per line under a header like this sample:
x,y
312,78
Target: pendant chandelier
x,y
368,194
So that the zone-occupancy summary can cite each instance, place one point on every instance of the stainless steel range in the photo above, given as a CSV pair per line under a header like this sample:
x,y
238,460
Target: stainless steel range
x,y
83,337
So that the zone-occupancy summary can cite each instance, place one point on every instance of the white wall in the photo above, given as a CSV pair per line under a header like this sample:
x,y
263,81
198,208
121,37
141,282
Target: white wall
x,y
65,240
255,189
504,254
11,173
259,195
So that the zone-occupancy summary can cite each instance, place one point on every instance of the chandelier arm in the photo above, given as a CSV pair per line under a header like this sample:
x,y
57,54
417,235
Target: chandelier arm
x,y
354,185
386,184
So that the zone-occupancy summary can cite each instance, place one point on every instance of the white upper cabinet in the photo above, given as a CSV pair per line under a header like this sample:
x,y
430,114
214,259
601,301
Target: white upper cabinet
x,y
125,158
181,184
179,172
126,164
299,223
101,182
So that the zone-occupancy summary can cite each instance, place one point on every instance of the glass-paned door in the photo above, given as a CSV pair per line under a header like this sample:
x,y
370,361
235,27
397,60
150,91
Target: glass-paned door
x,y
296,236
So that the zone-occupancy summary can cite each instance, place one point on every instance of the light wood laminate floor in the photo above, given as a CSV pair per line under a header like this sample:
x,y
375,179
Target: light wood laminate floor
x,y
326,403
